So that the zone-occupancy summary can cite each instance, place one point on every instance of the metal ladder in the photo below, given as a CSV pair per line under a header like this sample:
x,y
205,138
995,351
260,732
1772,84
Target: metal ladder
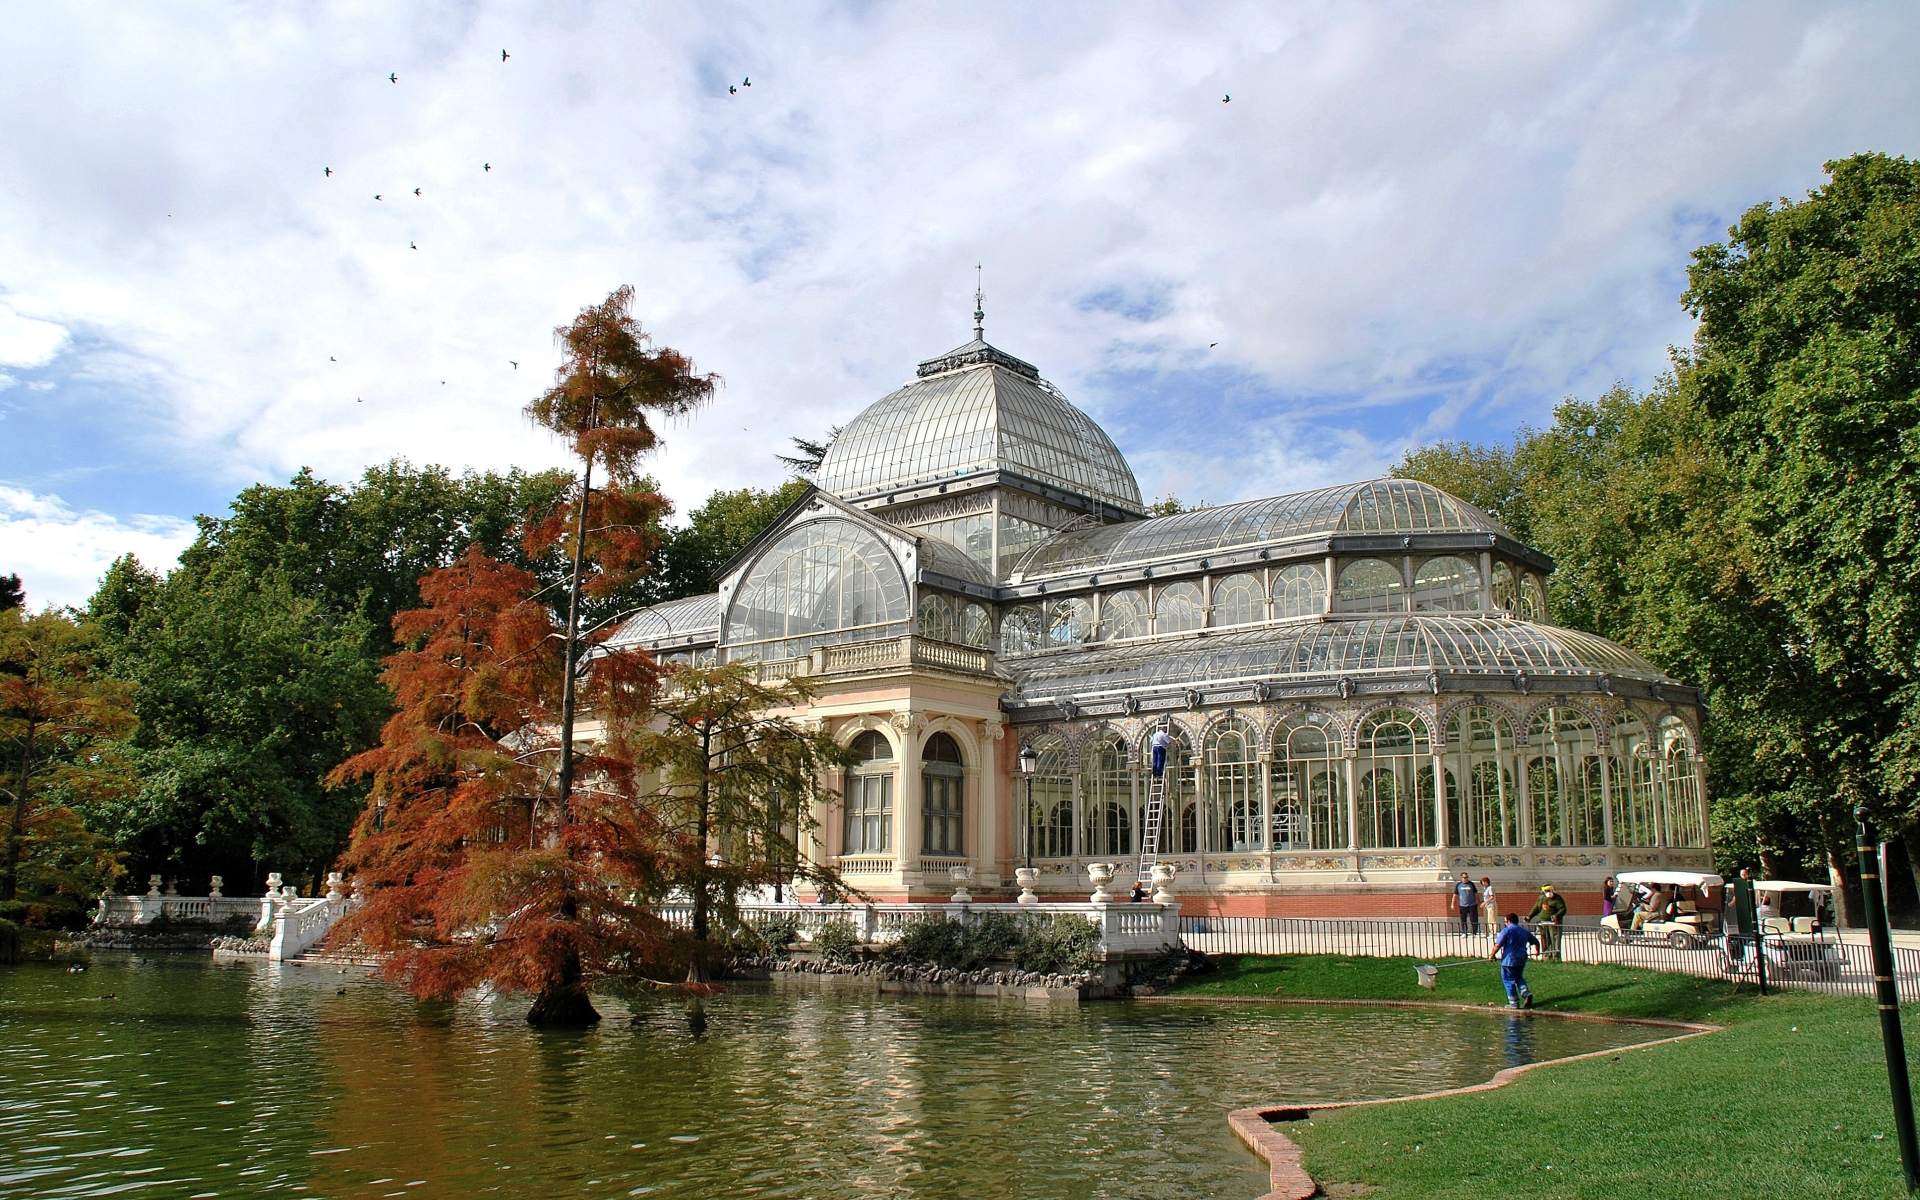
x,y
1150,825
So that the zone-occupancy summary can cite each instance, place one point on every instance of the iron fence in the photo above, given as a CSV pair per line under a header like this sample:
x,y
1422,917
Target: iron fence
x,y
1816,961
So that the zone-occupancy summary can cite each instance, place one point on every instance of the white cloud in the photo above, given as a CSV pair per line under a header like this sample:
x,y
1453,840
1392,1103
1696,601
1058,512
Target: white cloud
x,y
25,342
60,553
1479,206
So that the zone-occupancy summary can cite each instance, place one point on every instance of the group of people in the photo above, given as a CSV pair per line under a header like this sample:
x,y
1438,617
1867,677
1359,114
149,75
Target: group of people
x,y
1515,940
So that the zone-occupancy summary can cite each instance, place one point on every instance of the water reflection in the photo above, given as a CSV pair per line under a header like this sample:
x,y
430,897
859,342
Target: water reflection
x,y
250,1079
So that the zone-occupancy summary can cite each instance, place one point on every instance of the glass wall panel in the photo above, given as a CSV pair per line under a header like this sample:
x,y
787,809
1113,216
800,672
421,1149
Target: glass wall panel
x,y
943,790
976,626
1370,585
1299,591
1017,537
1239,600
1533,599
1506,589
936,617
1233,790
868,827
1395,770
1177,608
1685,819
1636,809
1070,621
1050,815
1309,786
1446,584
1123,615
972,535
1022,630
824,582
1483,805
1106,793
1563,780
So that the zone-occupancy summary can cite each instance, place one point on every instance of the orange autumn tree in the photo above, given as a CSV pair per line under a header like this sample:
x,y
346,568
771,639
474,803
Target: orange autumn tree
x,y
471,873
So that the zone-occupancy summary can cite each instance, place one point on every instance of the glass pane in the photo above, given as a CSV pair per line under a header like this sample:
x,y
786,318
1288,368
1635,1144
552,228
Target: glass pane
x,y
1370,585
1239,600
1299,591
1177,608
1123,615
824,582
936,617
1446,584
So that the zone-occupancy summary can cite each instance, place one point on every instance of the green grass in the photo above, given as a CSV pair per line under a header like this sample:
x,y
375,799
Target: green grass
x,y
1785,1103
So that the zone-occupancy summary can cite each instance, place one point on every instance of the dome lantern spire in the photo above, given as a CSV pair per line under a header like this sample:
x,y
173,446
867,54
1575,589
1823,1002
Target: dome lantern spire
x,y
979,307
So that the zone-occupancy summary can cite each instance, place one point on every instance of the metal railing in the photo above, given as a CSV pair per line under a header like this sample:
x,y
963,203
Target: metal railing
x,y
1815,961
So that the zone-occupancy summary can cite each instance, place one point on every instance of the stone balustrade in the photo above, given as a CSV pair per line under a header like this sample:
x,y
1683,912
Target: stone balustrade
x,y
1126,930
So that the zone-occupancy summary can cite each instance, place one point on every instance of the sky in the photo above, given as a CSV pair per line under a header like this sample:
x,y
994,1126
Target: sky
x,y
1268,246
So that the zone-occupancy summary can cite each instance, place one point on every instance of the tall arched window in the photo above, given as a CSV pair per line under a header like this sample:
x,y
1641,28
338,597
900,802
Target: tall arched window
x,y
1446,584
1533,598
1506,589
1371,585
1106,795
869,798
1631,766
1233,790
1070,621
943,797
1182,794
1309,786
1686,822
1123,615
1299,591
1564,794
1483,804
1239,600
1395,770
1177,608
1050,818
824,582
976,627
936,617
1022,630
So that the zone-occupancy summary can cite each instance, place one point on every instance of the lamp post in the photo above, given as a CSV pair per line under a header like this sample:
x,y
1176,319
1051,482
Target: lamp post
x,y
1889,999
1029,763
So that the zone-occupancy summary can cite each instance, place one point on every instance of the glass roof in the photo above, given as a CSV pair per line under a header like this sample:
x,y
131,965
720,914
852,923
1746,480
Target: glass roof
x,y
983,414
1325,648
1376,506
949,560
696,616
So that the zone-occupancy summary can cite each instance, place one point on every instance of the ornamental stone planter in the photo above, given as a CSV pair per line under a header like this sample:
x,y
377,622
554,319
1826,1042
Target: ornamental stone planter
x,y
1101,874
1028,876
1163,883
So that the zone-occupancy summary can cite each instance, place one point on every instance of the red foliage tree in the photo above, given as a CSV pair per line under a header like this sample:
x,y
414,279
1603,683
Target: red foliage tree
x,y
468,875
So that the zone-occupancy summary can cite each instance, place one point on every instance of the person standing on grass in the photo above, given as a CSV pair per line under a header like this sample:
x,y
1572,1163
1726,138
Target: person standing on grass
x,y
1488,904
1549,911
1510,950
1466,901
1160,741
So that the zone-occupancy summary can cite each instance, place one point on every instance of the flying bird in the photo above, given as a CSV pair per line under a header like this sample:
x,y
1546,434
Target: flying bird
x,y
327,171
747,82
732,91
376,195
1211,345
515,365
358,400
416,191
486,166
503,56
1227,99
393,78
331,358
411,246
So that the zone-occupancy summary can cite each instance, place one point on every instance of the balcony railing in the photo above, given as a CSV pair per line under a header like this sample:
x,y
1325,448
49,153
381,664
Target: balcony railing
x,y
880,654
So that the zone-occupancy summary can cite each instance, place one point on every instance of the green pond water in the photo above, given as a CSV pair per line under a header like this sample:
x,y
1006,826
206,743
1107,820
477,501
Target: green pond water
x,y
205,1079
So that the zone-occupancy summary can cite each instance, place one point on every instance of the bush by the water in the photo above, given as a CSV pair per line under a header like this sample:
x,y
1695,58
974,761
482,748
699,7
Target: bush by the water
x,y
1059,944
836,942
9,942
1063,944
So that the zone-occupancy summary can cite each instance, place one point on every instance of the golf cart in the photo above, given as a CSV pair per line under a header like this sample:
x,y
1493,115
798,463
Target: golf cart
x,y
1688,927
1795,947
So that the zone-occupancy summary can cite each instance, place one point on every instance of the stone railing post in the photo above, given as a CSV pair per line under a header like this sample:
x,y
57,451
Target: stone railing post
x,y
869,924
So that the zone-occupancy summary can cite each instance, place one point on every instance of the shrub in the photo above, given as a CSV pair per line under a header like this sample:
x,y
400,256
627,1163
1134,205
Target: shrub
x,y
779,931
1064,944
836,942
936,941
9,942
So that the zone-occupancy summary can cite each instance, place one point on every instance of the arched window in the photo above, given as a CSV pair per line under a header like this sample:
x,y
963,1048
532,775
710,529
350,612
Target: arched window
x,y
1182,793
1533,599
1483,804
824,582
1564,795
1395,770
1177,608
1233,790
936,617
1309,786
1123,615
1070,621
1506,589
976,627
1446,584
943,797
1106,795
1022,630
1685,820
1050,818
869,797
1371,585
1299,591
1239,600
1631,768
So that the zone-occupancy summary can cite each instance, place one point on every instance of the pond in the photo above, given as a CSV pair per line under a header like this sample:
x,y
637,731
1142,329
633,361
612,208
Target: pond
x,y
207,1079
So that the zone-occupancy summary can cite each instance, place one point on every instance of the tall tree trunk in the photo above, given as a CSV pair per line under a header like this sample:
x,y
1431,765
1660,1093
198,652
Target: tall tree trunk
x,y
1903,889
16,827
1843,868
563,1002
573,644
697,969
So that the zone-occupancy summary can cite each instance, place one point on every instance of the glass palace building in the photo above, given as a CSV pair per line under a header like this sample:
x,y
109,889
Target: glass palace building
x,y
1365,693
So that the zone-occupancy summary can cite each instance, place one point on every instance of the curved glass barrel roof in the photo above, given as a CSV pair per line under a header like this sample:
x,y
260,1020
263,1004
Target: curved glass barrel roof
x,y
1327,648
972,409
950,560
1376,506
696,618
826,581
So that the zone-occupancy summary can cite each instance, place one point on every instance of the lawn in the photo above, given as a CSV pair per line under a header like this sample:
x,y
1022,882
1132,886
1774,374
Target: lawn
x,y
1790,1101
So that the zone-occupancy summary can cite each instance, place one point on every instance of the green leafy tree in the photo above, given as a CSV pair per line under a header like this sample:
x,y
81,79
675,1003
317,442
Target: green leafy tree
x,y
808,453
1484,476
60,721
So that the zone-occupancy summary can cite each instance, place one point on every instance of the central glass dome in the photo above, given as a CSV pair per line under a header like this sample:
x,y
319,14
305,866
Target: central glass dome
x,y
977,408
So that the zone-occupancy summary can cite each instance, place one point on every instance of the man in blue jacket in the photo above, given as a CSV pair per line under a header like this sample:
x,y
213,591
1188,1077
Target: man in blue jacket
x,y
1510,947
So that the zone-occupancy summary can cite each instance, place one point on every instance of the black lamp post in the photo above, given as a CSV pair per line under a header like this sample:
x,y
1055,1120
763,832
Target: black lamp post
x,y
1029,763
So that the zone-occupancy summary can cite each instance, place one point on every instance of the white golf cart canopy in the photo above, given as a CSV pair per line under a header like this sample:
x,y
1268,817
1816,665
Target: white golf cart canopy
x,y
1788,885
1671,878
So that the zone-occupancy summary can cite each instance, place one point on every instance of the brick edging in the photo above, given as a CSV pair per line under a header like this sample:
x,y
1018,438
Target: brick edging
x,y
1287,1179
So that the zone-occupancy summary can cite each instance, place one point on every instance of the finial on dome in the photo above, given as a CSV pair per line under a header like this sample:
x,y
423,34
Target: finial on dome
x,y
979,307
